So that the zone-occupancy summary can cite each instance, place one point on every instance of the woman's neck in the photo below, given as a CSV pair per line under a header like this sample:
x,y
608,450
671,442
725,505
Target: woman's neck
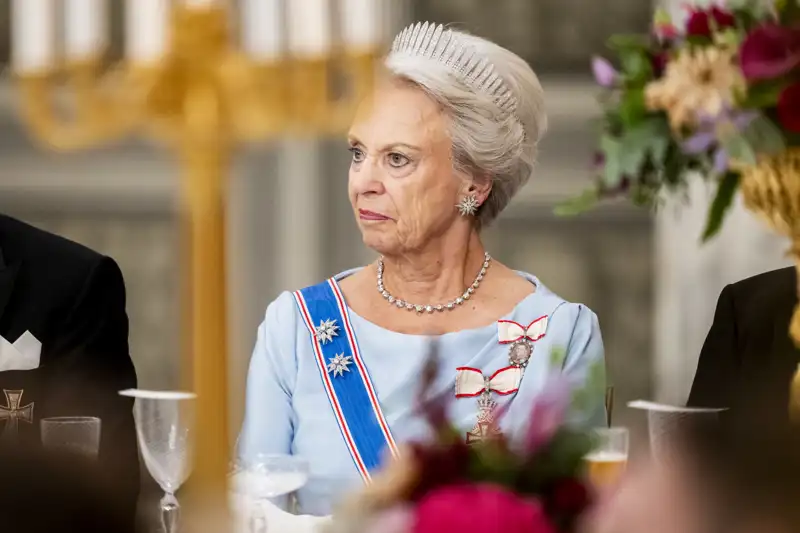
x,y
439,273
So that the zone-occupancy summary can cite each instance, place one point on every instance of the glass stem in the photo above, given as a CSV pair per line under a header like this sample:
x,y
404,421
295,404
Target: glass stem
x,y
170,513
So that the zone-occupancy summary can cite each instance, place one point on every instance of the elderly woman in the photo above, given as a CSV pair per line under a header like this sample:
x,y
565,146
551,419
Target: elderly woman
x,y
444,143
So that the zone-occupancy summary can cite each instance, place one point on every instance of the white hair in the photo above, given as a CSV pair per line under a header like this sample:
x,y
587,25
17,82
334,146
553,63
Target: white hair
x,y
488,143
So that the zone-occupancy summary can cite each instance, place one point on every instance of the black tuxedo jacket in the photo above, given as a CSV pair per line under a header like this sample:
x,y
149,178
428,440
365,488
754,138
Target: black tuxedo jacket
x,y
748,359
73,301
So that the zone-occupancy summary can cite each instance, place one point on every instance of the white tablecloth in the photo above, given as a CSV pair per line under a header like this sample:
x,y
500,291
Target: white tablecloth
x,y
277,520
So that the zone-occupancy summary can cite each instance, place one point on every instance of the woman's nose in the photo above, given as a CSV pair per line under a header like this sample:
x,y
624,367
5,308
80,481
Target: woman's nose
x,y
367,178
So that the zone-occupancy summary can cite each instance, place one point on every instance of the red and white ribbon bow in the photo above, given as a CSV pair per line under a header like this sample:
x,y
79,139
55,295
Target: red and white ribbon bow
x,y
509,331
472,382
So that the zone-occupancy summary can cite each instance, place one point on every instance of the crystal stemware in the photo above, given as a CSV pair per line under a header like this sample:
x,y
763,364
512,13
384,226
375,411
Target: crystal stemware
x,y
73,434
165,426
259,477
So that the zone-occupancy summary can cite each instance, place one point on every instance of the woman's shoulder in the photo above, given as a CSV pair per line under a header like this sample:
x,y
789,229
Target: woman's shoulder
x,y
547,302
285,308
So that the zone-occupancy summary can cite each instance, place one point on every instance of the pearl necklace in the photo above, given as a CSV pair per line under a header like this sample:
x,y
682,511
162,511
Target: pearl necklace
x,y
449,306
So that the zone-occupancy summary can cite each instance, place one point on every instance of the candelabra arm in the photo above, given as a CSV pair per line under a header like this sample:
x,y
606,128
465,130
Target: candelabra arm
x,y
360,69
257,97
99,110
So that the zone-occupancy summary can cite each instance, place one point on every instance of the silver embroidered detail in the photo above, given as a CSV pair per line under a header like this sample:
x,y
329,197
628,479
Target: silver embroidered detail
x,y
326,330
433,41
339,364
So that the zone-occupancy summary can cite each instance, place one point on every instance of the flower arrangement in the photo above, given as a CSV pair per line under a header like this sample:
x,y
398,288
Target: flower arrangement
x,y
715,96
533,484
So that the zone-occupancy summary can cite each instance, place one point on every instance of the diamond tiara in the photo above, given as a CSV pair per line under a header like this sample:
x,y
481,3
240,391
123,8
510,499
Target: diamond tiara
x,y
433,41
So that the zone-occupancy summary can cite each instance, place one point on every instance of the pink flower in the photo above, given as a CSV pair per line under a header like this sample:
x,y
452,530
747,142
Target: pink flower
x,y
548,412
666,30
789,108
769,51
479,509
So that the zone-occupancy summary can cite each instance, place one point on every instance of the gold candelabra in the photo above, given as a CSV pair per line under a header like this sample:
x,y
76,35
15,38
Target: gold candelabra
x,y
202,99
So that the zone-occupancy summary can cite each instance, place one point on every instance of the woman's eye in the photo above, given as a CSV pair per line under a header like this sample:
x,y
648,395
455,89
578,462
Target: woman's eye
x,y
358,154
397,160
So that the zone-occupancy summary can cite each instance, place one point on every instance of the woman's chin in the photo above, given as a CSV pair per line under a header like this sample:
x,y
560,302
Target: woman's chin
x,y
378,241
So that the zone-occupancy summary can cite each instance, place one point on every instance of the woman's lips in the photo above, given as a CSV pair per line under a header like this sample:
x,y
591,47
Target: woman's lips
x,y
364,214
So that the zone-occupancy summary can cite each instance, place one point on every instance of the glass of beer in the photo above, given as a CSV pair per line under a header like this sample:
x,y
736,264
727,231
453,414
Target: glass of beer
x,y
606,462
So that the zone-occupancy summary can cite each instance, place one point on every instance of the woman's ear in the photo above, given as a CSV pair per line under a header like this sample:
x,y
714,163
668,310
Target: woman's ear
x,y
480,189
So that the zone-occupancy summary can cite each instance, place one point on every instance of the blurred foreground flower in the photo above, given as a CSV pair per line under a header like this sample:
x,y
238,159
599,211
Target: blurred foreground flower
x,y
533,484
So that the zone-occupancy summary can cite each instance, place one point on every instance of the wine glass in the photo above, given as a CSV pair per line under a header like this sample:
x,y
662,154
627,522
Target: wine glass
x,y
73,434
607,461
259,477
165,427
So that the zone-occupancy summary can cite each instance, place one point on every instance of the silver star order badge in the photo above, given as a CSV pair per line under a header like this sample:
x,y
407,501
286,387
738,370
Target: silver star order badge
x,y
327,330
339,365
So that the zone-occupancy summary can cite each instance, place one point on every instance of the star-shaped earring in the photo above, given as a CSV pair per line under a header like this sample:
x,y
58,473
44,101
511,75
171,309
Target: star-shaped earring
x,y
468,205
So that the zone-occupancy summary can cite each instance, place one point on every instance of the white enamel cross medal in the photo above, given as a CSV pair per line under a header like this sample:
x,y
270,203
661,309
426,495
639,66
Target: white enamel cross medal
x,y
520,339
470,382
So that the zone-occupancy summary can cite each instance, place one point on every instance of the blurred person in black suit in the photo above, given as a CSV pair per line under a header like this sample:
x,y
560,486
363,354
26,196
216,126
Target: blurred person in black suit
x,y
748,359
42,492
70,301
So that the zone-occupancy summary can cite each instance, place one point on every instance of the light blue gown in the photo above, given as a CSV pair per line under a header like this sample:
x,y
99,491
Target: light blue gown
x,y
287,410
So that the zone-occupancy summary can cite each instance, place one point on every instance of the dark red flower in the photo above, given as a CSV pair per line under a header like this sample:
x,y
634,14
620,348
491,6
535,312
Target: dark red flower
x,y
789,108
769,52
569,497
441,465
659,63
703,21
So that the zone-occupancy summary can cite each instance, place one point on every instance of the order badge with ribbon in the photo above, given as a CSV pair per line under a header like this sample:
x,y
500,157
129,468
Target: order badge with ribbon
x,y
520,338
470,382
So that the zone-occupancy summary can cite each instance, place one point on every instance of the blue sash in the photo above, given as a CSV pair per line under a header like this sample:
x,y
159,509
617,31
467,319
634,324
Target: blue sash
x,y
344,375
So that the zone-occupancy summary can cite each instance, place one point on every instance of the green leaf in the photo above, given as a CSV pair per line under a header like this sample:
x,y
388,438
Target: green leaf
x,y
649,138
722,203
764,137
662,17
729,37
585,398
632,108
790,12
612,154
623,41
763,94
738,148
580,204
558,354
658,149
636,66
675,163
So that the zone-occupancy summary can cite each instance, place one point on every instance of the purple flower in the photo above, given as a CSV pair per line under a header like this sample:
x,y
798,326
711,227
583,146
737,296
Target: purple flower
x,y
706,137
548,413
604,73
